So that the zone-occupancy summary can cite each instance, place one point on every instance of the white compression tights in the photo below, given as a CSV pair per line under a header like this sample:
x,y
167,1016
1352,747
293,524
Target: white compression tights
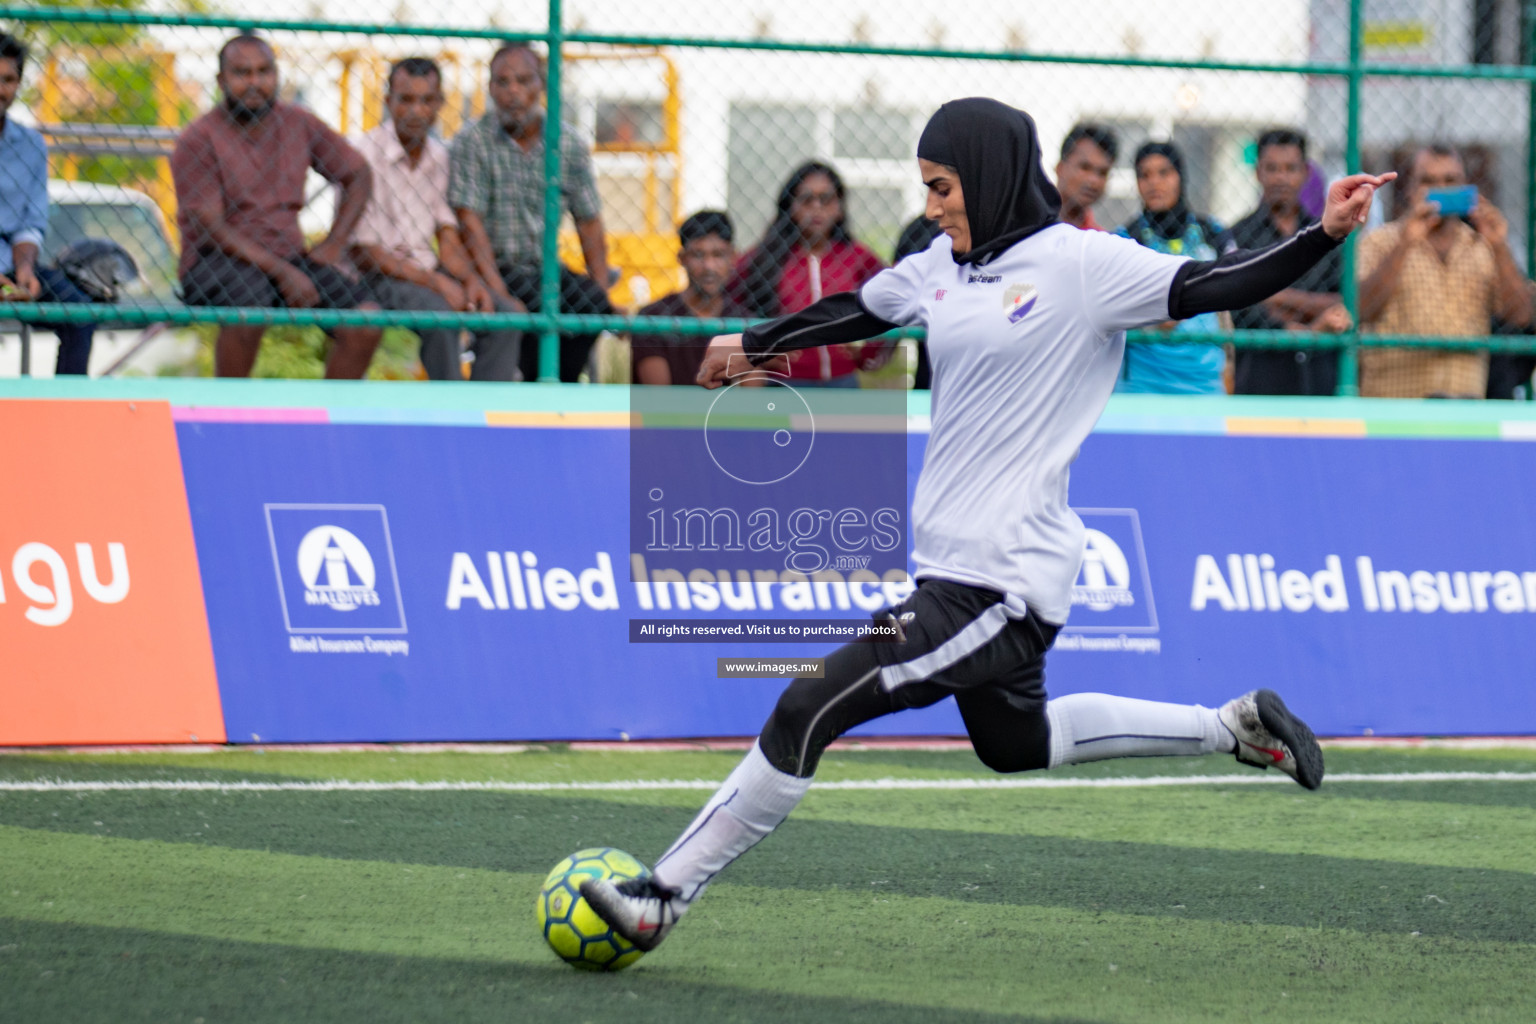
x,y
1095,726
751,803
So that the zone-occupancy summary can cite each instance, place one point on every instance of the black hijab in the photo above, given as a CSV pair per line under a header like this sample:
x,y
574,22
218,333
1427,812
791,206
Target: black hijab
x,y
996,151
1170,223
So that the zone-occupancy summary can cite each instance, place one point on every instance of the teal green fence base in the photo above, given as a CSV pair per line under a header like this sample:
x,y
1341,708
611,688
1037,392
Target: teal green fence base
x,y
549,326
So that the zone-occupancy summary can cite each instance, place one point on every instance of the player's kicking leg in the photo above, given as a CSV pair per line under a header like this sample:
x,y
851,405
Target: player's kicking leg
x,y
956,633
1257,727
757,796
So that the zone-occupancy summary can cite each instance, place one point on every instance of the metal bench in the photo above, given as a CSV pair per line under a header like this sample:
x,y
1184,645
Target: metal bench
x,y
147,333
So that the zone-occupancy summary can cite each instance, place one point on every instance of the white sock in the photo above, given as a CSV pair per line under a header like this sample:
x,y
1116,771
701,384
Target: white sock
x,y
1095,726
748,806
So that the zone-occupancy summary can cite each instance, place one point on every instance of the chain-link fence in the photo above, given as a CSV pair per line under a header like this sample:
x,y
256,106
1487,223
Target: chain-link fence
x,y
234,186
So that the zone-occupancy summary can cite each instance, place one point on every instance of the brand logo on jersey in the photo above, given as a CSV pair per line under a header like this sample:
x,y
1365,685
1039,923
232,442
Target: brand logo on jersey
x,y
1018,300
335,568
984,279
938,296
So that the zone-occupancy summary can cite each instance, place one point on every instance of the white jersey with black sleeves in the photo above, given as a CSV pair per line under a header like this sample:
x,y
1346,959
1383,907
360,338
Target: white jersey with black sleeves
x,y
1025,351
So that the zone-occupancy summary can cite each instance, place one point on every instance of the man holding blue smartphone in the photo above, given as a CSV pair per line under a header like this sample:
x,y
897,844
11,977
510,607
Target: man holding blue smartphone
x,y
1441,268
1454,201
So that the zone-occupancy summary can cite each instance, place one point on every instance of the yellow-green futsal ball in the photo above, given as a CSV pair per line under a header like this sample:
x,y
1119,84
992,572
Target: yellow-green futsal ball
x,y
571,927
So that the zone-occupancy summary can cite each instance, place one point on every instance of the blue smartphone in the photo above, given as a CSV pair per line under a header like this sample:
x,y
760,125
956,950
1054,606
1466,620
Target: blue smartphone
x,y
1454,202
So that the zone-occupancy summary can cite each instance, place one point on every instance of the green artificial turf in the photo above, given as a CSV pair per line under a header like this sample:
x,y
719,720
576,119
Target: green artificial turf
x,y
1404,901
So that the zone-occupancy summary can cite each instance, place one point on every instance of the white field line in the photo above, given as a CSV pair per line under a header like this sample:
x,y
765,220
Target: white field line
x,y
641,785
846,744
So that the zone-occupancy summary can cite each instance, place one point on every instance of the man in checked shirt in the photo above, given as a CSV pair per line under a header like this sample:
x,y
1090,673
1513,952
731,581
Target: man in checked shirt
x,y
496,187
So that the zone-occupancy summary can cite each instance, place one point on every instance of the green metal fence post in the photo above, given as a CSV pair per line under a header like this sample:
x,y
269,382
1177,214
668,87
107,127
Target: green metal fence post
x,y
1528,13
547,325
549,279
1530,142
1349,356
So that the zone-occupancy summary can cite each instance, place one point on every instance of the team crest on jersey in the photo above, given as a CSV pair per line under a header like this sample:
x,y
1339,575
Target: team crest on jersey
x,y
1018,300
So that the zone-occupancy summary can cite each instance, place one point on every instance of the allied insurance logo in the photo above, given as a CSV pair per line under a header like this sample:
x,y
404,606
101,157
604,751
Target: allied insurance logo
x,y
335,568
1113,591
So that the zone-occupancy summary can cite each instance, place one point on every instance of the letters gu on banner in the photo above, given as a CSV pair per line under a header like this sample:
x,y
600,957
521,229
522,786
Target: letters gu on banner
x,y
102,627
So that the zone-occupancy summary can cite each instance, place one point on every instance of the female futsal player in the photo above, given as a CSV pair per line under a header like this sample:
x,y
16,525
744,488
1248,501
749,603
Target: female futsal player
x,y
1026,320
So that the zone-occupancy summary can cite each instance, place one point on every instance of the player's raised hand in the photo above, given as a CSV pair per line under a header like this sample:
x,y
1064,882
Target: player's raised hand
x,y
1349,202
726,360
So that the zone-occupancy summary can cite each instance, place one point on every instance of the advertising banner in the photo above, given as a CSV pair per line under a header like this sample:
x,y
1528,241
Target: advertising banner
x,y
1388,584
103,637
433,583
408,583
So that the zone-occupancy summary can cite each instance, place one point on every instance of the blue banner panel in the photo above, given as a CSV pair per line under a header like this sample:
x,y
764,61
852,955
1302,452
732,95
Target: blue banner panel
x,y
400,583
1384,586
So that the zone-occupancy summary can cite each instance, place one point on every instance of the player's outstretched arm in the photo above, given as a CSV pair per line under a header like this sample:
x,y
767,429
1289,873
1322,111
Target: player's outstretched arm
x,y
831,321
1249,276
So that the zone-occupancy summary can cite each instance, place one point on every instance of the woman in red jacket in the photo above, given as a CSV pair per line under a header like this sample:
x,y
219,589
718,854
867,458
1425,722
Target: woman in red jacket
x,y
806,253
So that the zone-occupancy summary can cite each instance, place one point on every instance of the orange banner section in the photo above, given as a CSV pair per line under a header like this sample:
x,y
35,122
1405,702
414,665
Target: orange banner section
x,y
497,418
103,635
1274,426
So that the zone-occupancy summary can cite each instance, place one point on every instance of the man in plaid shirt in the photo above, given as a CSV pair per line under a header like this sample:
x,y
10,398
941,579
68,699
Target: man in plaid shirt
x,y
496,187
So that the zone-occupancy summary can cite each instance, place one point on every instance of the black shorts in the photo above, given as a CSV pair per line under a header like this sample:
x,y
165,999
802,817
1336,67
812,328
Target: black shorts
x,y
960,637
218,279
960,641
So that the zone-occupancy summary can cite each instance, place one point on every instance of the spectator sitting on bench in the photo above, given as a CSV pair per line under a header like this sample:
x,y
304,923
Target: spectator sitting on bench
x,y
239,172
24,218
409,209
708,258
496,187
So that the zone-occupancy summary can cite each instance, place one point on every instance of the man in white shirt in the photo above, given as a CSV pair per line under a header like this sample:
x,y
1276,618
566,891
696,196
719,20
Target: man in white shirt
x,y
408,212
